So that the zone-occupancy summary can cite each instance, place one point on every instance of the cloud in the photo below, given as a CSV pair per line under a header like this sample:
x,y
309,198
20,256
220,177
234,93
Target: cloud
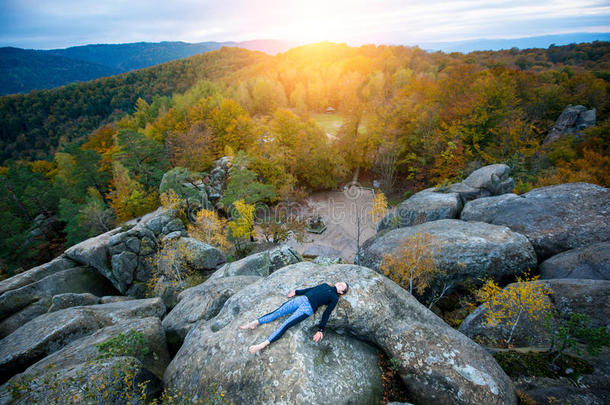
x,y
60,23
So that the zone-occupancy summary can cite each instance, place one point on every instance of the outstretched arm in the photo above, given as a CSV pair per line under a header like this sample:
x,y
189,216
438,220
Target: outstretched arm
x,y
325,317
292,293
303,291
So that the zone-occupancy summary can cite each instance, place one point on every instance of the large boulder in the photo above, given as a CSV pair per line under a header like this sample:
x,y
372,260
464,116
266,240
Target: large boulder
x,y
101,381
462,249
36,273
485,209
201,302
259,264
94,252
15,303
590,262
487,181
438,364
68,300
589,297
424,206
38,379
554,218
49,332
200,256
572,120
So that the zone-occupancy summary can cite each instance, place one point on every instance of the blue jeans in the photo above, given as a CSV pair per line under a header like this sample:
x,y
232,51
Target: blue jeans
x,y
299,307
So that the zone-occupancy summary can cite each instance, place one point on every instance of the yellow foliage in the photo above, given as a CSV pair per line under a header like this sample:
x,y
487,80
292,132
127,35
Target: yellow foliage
x,y
211,229
413,265
506,306
592,168
243,225
170,200
380,207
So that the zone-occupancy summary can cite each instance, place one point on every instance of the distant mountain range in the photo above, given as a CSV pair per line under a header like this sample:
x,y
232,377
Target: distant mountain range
x,y
24,70
484,44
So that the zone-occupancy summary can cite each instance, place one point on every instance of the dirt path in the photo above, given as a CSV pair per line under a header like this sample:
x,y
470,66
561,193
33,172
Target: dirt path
x,y
338,211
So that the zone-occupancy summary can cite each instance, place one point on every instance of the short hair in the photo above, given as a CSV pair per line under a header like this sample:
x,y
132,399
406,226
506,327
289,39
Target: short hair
x,y
346,288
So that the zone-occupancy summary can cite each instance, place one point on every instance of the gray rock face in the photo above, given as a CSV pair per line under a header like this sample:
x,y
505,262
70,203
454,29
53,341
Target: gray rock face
x,y
201,302
589,297
49,332
92,382
125,256
37,273
554,219
84,350
201,256
572,120
94,252
438,364
68,300
590,262
485,209
466,249
315,251
259,264
487,181
424,206
75,280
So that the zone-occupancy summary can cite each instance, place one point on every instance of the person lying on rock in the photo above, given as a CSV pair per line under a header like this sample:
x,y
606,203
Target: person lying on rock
x,y
306,304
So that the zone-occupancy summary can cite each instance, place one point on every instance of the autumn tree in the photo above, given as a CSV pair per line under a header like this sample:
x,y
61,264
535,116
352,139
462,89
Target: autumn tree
x,y
380,207
128,198
506,307
413,266
242,225
211,229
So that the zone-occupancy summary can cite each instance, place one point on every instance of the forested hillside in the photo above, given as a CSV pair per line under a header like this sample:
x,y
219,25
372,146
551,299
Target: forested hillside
x,y
92,155
22,70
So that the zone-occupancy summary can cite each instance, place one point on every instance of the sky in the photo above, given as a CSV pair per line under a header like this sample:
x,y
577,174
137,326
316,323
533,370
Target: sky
x,y
44,24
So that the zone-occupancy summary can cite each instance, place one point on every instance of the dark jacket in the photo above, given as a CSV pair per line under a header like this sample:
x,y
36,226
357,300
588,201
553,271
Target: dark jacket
x,y
319,295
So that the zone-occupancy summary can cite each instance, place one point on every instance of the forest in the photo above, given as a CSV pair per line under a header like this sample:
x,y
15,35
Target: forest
x,y
85,157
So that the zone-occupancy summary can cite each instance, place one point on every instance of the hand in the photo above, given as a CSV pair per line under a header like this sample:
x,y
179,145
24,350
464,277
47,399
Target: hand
x,y
318,336
291,294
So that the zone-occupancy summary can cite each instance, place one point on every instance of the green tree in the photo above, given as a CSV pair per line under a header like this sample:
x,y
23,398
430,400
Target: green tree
x,y
244,185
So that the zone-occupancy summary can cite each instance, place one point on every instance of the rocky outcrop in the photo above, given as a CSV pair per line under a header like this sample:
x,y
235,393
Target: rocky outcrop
x,y
589,297
572,120
125,256
68,300
49,332
259,264
590,262
199,190
485,209
201,302
424,206
446,202
438,364
462,249
554,218
73,359
36,273
487,181
93,382
23,304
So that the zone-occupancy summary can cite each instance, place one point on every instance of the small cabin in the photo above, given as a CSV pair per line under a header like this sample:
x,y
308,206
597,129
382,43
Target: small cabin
x,y
330,110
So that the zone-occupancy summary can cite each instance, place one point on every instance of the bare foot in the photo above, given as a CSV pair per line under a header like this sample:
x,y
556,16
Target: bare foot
x,y
251,325
255,348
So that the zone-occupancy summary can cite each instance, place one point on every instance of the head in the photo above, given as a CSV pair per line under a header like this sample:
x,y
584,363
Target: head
x,y
342,287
